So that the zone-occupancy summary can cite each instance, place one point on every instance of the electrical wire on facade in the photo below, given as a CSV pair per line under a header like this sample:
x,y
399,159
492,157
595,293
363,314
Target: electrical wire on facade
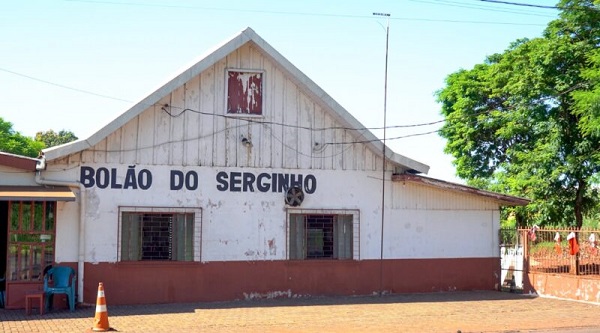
x,y
183,110
313,129
264,123
248,120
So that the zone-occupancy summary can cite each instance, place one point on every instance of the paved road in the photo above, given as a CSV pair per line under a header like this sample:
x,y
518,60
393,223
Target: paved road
x,y
436,312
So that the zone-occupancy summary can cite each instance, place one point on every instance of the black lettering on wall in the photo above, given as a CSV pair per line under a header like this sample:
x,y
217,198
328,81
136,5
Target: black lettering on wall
x,y
223,185
86,176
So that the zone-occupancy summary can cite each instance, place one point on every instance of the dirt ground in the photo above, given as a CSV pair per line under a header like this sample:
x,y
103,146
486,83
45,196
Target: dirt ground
x,y
436,312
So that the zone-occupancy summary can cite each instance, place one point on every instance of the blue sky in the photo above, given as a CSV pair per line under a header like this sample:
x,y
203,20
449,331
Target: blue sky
x,y
76,65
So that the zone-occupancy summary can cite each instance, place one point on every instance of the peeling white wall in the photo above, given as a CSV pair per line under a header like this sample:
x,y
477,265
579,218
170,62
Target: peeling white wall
x,y
241,226
235,225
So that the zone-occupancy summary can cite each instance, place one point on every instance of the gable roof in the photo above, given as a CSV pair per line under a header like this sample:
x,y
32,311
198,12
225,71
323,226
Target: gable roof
x,y
247,35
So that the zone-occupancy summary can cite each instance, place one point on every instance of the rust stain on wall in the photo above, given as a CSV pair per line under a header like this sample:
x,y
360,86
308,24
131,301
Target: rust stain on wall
x,y
272,246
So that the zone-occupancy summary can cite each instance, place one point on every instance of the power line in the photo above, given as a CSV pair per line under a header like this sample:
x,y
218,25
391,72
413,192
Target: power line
x,y
479,7
571,8
520,4
330,15
468,22
184,110
387,139
64,87
314,129
218,9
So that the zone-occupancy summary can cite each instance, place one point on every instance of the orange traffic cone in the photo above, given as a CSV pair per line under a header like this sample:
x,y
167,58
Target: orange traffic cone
x,y
101,318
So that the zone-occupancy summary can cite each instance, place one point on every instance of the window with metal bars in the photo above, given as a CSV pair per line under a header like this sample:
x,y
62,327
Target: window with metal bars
x,y
157,236
320,236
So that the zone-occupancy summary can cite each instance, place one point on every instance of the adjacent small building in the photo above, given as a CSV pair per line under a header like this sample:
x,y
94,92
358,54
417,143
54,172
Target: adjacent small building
x,y
240,178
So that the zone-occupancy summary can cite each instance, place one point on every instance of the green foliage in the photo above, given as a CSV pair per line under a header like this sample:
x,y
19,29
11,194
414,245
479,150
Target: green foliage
x,y
587,101
15,143
526,122
51,138
509,219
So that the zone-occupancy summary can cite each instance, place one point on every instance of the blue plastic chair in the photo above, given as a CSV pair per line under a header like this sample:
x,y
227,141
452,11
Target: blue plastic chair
x,y
63,282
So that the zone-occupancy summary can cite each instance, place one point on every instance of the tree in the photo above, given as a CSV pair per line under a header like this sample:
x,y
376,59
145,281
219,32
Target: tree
x,y
521,122
15,143
588,101
51,138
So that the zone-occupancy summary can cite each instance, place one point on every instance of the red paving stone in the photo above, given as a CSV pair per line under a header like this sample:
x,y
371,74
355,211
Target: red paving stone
x,y
437,312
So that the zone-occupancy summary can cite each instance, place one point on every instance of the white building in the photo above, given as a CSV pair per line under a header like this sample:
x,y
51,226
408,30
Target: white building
x,y
241,178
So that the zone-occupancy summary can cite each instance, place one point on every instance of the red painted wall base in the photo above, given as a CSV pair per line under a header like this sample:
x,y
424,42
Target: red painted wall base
x,y
564,286
176,282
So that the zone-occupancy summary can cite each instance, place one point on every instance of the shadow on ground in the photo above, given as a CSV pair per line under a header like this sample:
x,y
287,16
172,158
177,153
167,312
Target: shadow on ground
x,y
88,311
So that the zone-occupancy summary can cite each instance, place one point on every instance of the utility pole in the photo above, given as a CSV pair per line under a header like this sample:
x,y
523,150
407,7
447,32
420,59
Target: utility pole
x,y
383,158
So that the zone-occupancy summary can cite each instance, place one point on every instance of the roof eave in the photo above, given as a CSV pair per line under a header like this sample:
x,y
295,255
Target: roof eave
x,y
502,199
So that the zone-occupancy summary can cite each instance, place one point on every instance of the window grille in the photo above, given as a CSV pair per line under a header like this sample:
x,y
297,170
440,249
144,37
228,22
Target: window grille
x,y
321,236
31,233
157,236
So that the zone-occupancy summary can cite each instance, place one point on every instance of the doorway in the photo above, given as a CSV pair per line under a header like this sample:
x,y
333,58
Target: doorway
x,y
27,245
